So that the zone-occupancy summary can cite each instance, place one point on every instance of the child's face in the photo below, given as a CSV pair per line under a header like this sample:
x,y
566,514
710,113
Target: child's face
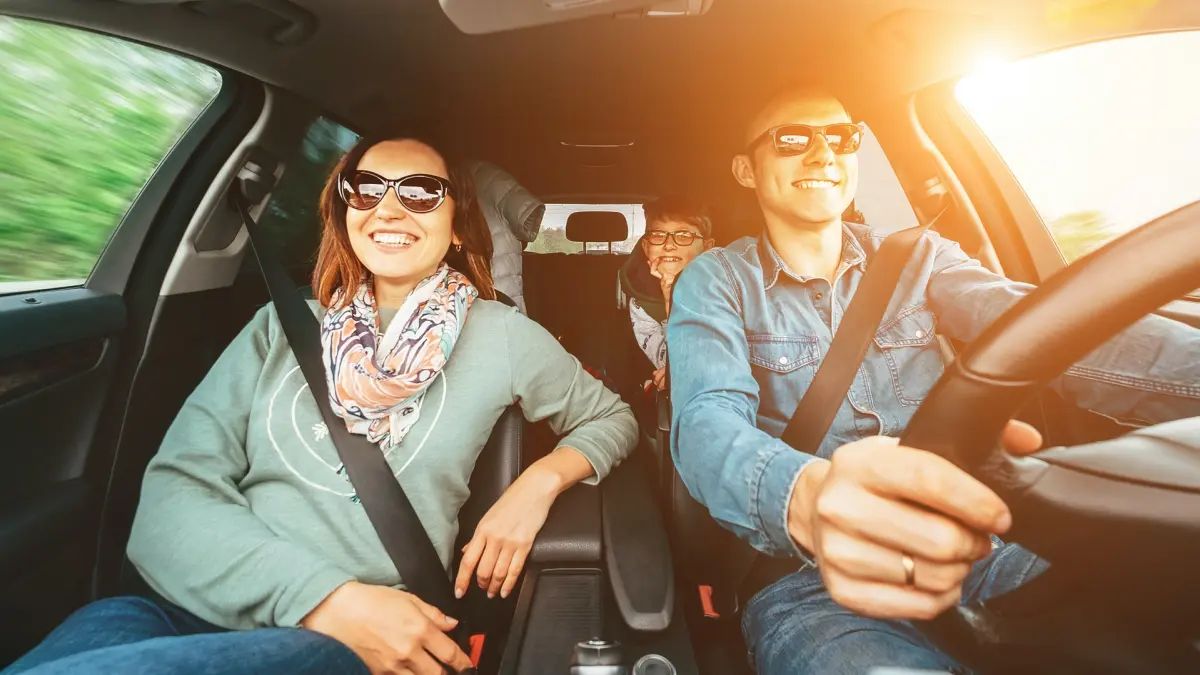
x,y
669,256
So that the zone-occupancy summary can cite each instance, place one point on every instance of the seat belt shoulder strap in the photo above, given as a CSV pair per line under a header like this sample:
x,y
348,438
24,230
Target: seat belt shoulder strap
x,y
814,415
387,506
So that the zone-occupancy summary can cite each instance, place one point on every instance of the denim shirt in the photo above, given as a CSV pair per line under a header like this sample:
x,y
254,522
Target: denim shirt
x,y
746,336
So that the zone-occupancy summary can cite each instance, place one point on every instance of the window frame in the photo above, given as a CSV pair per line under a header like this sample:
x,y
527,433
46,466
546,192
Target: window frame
x,y
115,263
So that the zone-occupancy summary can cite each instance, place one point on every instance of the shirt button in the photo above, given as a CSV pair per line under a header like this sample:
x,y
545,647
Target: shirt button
x,y
820,295
920,333
783,360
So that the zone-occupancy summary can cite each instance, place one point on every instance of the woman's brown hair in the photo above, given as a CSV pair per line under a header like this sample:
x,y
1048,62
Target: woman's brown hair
x,y
338,267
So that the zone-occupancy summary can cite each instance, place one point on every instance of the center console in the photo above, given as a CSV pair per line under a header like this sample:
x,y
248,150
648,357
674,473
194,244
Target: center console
x,y
598,596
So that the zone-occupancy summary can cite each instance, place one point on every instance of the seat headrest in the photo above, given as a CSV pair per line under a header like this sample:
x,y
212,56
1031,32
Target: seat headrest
x,y
597,226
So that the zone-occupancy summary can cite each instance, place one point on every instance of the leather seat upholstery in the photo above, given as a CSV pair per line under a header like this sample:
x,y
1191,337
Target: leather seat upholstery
x,y
498,466
571,295
704,546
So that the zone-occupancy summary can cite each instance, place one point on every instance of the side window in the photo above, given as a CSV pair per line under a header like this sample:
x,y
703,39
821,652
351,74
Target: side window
x,y
1102,137
292,218
85,119
880,200
553,236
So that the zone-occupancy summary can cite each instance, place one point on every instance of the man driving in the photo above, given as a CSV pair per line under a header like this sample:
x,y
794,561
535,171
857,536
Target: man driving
x,y
880,534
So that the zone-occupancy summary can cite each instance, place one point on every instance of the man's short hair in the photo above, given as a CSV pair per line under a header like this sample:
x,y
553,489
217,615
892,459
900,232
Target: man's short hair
x,y
802,90
679,209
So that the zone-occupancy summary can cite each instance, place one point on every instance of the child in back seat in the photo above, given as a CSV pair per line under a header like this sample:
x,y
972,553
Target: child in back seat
x,y
677,231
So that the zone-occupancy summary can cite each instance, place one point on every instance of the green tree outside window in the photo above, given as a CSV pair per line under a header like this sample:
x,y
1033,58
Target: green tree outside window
x,y
85,120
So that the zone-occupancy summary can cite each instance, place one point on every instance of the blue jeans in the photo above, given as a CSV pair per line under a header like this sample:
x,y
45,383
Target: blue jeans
x,y
793,627
136,636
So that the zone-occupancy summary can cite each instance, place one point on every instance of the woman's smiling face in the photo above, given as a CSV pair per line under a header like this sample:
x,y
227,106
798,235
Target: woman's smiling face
x,y
399,247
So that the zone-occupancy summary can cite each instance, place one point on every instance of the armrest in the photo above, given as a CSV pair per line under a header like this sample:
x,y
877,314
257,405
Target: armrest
x,y
636,551
572,530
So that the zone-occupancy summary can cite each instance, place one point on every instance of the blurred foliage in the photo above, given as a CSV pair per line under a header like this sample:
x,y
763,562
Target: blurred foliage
x,y
85,120
553,240
1081,233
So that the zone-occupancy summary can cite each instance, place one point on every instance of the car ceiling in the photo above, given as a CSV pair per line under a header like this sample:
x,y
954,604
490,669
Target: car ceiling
x,y
678,89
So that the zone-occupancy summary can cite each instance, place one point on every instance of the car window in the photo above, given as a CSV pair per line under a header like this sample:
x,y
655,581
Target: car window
x,y
553,236
1102,137
292,218
85,120
880,200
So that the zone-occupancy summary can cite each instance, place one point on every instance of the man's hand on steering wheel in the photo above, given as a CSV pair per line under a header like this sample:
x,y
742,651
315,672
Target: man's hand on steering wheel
x,y
895,529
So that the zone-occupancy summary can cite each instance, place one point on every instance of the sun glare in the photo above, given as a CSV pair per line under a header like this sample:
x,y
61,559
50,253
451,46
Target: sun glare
x,y
1106,131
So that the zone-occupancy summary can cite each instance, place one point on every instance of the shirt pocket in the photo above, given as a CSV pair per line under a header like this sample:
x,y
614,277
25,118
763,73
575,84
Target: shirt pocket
x,y
911,353
782,354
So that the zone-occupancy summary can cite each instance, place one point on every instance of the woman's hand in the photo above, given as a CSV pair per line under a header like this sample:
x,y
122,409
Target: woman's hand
x,y
392,631
876,502
505,534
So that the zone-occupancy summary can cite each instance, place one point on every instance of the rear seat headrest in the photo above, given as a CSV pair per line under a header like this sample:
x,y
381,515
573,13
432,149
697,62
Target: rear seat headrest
x,y
597,226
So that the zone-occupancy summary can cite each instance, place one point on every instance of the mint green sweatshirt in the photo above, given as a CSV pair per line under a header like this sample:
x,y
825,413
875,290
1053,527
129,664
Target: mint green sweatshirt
x,y
244,520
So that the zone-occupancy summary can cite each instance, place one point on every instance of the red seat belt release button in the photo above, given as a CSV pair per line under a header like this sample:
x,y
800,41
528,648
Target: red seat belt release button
x,y
706,602
476,644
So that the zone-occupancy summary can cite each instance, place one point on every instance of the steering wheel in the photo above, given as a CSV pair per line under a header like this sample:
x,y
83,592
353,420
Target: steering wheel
x,y
1119,519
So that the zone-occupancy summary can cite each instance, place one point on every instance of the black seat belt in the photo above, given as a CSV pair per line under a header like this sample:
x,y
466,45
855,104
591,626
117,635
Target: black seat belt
x,y
388,508
821,402
814,415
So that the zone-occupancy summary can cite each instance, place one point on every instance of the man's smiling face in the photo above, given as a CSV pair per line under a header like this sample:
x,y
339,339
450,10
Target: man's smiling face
x,y
814,187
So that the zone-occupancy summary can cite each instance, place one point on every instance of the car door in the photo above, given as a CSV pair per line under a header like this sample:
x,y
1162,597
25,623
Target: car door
x,y
103,143
1070,149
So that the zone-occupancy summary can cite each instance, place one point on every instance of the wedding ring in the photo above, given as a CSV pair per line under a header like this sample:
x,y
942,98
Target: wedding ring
x,y
910,569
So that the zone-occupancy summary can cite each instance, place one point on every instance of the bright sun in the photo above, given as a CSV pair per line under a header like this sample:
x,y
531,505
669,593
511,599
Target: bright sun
x,y
1111,128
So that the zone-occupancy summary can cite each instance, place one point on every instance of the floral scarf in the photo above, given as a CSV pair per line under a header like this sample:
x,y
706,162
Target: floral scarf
x,y
377,383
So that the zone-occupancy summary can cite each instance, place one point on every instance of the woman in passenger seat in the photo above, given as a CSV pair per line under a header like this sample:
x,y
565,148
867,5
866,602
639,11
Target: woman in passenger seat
x,y
677,230
248,527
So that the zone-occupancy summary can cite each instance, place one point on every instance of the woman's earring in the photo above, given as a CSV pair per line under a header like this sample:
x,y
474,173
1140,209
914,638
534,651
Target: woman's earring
x,y
458,248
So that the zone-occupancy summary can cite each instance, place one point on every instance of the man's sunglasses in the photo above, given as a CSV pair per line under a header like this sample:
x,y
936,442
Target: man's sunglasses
x,y
790,140
419,192
682,238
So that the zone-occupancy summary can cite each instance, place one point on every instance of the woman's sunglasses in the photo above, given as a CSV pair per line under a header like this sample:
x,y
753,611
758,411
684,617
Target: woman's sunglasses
x,y
419,192
683,238
790,140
